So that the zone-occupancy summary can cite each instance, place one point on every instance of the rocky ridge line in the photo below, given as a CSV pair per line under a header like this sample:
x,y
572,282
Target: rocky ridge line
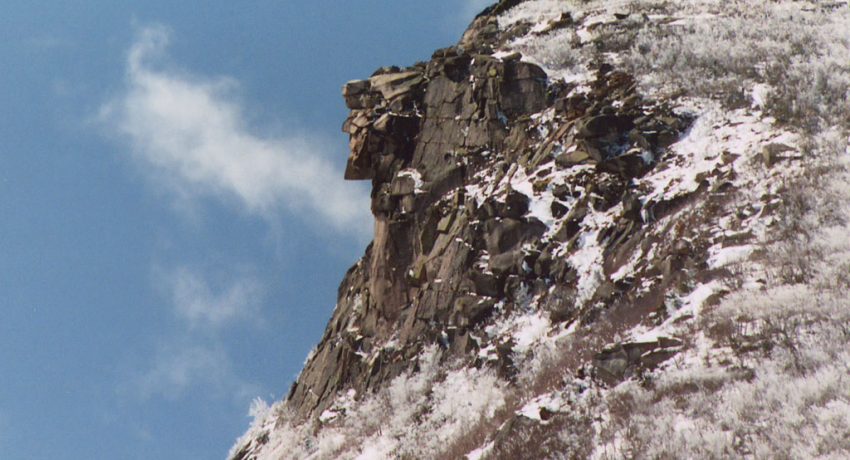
x,y
505,199
444,259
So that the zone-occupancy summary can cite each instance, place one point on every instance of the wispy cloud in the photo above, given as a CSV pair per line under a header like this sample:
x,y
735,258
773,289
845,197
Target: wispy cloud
x,y
193,132
184,366
194,356
202,307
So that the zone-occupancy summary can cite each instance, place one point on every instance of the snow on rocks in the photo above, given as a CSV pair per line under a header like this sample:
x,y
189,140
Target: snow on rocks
x,y
414,175
541,407
597,218
481,452
524,331
721,257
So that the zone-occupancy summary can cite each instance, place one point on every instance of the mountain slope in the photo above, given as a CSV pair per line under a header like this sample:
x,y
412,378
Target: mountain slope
x,y
603,229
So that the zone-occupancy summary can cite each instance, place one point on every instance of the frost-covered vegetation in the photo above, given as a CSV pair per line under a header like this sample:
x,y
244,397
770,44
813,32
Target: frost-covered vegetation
x,y
790,58
768,374
777,382
414,417
765,367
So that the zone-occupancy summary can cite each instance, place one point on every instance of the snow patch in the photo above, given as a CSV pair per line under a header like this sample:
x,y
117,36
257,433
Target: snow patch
x,y
552,402
481,452
530,329
721,257
587,261
416,176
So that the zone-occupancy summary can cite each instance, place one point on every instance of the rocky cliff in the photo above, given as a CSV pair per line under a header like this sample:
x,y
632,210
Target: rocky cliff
x,y
558,209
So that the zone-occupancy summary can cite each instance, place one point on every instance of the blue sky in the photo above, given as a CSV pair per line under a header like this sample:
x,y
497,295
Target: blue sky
x,y
174,221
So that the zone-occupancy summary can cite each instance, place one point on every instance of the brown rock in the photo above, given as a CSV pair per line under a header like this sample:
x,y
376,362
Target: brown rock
x,y
395,84
403,185
567,160
356,94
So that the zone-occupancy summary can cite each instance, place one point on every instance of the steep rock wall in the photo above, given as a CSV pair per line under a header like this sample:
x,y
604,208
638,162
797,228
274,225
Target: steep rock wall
x,y
445,258
564,267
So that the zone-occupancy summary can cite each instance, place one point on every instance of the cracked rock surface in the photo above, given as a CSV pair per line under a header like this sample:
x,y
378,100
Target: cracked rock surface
x,y
444,260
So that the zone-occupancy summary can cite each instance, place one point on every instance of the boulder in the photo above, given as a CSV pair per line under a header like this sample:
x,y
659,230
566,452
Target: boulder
x,y
503,235
514,206
472,309
523,89
773,152
402,185
485,283
356,94
391,85
506,262
603,125
558,210
359,165
570,159
632,164
621,361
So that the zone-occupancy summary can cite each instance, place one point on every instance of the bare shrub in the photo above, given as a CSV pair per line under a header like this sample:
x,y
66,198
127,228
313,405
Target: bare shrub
x,y
567,435
800,54
551,370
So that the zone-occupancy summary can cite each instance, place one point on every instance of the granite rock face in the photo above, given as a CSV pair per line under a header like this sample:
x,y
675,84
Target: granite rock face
x,y
444,258
573,231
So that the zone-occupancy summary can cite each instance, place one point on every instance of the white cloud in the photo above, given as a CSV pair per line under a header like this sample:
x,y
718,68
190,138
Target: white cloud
x,y
202,307
192,131
179,367
194,357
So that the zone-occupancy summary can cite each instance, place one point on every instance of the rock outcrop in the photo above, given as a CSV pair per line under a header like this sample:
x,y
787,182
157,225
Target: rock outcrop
x,y
552,232
442,259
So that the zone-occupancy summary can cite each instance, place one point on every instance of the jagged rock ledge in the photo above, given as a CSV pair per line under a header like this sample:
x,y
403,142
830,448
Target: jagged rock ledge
x,y
555,240
443,258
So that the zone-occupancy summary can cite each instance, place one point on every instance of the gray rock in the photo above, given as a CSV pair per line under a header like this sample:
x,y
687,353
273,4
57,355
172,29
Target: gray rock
x,y
630,165
567,160
621,361
420,281
395,84
502,235
506,262
603,125
486,284
404,185
771,153
445,223
356,94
